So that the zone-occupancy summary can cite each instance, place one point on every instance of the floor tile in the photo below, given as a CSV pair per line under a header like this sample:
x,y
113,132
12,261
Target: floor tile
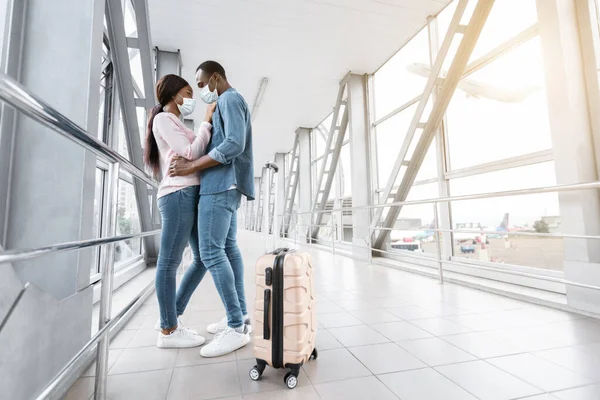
x,y
122,339
477,322
151,385
440,326
357,336
424,384
326,341
205,382
540,373
482,346
272,379
245,353
541,397
356,305
398,331
113,354
328,307
338,320
386,358
441,309
386,302
143,338
488,382
335,365
81,390
583,393
369,388
528,339
578,361
189,357
144,359
410,313
375,316
435,351
136,322
300,393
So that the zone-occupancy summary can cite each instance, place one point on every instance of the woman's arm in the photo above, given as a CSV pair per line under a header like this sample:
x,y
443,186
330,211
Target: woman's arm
x,y
178,140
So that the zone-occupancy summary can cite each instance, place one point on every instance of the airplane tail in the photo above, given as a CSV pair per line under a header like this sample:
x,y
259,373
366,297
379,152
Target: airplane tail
x,y
504,224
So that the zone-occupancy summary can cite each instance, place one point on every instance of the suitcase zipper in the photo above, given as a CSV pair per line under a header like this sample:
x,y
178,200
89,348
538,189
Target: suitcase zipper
x,y
277,317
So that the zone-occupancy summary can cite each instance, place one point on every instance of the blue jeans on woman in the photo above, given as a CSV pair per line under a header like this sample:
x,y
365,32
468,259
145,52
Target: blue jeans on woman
x,y
217,220
179,226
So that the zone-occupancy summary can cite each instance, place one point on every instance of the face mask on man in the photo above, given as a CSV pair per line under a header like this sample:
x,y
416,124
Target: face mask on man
x,y
207,96
187,107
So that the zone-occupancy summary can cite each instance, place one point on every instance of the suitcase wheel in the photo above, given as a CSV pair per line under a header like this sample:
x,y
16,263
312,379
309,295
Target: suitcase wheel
x,y
291,380
256,373
314,355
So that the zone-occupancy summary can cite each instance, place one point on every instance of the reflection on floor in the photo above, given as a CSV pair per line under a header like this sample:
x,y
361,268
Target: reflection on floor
x,y
384,334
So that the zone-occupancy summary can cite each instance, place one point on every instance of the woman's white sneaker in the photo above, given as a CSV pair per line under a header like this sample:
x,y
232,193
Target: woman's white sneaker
x,y
225,342
180,324
179,339
222,325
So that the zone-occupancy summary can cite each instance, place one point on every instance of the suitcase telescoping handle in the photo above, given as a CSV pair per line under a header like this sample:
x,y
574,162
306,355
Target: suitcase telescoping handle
x,y
269,170
266,330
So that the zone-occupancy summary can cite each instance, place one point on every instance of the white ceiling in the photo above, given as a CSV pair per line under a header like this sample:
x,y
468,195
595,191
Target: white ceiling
x,y
304,48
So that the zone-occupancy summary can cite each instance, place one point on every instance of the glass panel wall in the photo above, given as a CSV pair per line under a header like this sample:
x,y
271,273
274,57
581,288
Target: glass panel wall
x,y
496,137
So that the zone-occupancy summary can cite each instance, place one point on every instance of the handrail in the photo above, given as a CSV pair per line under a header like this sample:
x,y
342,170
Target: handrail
x,y
489,195
26,102
25,254
69,368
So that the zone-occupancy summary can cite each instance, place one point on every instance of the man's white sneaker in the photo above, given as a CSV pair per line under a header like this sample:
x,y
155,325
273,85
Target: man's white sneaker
x,y
226,342
180,324
222,325
179,339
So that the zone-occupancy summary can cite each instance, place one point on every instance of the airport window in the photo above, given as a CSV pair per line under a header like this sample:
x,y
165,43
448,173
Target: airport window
x,y
128,222
403,77
502,215
501,110
97,222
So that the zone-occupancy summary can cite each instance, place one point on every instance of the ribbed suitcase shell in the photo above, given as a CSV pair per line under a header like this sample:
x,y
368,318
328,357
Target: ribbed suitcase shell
x,y
299,317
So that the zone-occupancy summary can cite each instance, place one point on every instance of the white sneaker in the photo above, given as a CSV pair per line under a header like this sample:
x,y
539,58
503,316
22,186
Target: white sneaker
x,y
226,342
222,325
179,339
180,324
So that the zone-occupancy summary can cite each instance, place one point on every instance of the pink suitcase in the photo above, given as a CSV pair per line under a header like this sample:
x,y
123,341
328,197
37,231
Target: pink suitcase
x,y
285,323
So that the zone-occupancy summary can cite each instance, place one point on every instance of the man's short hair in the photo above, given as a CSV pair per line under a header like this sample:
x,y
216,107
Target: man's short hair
x,y
210,67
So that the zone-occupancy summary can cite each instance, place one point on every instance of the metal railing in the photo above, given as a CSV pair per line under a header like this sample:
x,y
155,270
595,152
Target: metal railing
x,y
12,93
304,229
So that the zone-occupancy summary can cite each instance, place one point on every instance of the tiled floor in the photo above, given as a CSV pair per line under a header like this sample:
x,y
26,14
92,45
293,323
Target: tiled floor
x,y
383,334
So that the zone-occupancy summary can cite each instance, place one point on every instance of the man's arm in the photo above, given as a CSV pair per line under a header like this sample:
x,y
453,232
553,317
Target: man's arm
x,y
234,121
181,167
233,113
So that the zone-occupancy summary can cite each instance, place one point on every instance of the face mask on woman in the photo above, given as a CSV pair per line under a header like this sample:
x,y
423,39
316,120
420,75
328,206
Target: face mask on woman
x,y
187,107
207,96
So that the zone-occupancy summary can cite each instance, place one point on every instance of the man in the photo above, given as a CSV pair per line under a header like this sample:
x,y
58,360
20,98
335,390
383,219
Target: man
x,y
227,174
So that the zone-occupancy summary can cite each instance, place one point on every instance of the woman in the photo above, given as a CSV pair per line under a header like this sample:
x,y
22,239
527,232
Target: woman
x,y
167,137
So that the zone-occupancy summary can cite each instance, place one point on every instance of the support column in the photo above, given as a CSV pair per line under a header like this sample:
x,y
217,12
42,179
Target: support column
x,y
280,193
573,144
304,179
360,170
50,191
445,221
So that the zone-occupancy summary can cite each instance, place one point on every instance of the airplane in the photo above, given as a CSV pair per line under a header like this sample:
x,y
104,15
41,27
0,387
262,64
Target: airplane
x,y
477,89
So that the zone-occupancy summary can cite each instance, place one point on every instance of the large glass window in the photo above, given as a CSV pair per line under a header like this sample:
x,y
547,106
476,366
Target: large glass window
x,y
403,77
502,215
501,110
128,222
97,221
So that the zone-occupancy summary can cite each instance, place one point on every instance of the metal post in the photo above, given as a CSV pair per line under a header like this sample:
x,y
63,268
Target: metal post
x,y
107,263
438,244
333,232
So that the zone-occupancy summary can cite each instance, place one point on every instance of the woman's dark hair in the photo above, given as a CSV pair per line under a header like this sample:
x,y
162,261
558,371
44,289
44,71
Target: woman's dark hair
x,y
167,87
